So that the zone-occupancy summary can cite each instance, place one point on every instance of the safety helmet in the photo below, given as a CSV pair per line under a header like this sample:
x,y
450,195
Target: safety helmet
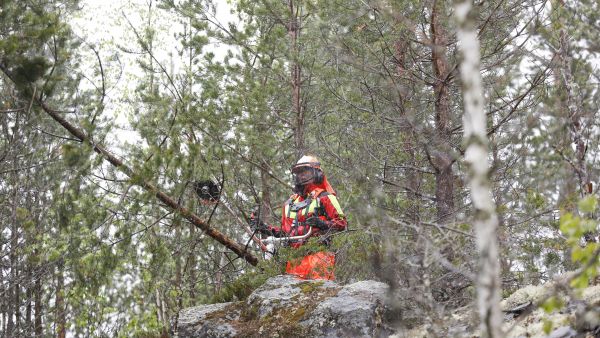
x,y
307,170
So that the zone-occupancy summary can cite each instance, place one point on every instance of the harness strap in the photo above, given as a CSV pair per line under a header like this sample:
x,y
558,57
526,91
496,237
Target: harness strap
x,y
320,209
304,206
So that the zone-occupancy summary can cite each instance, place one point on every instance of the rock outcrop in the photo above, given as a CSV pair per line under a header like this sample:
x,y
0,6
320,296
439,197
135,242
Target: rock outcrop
x,y
289,307
577,315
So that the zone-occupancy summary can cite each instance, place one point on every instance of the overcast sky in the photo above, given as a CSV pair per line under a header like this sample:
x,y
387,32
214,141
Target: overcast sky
x,y
106,25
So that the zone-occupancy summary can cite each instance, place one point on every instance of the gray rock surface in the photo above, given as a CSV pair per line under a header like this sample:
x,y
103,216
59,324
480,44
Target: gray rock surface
x,y
285,306
283,291
206,321
579,317
356,311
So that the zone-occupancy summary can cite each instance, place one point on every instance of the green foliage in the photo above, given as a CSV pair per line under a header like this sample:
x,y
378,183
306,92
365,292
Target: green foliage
x,y
357,254
245,284
547,326
535,199
368,101
586,255
588,204
552,304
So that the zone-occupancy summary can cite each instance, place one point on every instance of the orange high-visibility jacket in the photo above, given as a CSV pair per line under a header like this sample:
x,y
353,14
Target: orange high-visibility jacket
x,y
298,208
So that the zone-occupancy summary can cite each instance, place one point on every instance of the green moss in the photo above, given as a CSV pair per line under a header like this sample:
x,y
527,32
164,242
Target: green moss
x,y
283,322
298,315
243,286
309,287
250,312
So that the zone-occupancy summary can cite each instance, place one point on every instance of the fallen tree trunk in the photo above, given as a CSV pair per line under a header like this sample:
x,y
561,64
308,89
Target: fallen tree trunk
x,y
239,249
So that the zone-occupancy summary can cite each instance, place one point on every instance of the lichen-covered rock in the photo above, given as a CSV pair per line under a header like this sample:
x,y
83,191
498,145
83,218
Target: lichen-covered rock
x,y
289,307
207,321
356,311
529,294
537,323
591,295
285,306
460,323
284,291
578,317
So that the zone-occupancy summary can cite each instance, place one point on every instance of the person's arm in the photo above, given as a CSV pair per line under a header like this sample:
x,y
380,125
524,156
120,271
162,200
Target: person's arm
x,y
264,228
334,217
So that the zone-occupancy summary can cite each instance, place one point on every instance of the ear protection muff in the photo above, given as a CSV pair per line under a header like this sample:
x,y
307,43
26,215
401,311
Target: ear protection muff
x,y
318,176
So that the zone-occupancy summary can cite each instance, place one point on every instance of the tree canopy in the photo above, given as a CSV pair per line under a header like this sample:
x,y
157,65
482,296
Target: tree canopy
x,y
111,115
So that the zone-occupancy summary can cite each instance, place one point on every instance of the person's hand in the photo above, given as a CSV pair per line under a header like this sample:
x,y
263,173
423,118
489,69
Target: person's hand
x,y
316,222
260,226
257,225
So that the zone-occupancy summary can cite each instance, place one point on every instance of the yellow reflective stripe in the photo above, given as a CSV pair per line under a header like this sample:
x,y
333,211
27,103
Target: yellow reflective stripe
x,y
336,204
291,213
311,207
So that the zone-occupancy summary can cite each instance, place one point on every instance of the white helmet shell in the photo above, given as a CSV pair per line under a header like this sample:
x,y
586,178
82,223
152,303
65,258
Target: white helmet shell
x,y
308,160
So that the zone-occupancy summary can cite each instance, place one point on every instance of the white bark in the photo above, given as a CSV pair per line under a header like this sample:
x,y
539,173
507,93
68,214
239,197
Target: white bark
x,y
476,157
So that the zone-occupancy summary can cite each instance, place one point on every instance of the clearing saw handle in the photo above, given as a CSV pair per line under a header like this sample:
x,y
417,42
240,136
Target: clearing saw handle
x,y
284,239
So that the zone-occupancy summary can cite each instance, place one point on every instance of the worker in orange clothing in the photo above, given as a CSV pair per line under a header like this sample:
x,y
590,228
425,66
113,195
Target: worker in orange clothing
x,y
313,205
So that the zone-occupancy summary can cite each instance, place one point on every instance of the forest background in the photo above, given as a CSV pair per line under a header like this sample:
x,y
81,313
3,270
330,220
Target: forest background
x,y
90,247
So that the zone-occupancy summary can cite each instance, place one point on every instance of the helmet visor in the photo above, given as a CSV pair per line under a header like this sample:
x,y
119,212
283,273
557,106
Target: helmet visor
x,y
303,175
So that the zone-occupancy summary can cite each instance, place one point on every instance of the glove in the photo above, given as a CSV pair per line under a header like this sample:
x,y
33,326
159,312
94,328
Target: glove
x,y
257,225
260,227
318,223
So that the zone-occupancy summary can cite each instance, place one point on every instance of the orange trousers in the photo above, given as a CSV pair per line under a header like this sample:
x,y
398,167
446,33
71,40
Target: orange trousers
x,y
316,266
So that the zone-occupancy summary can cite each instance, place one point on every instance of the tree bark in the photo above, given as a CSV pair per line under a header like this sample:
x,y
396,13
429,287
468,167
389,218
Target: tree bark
x,y
29,305
476,157
296,78
219,274
442,157
573,105
406,132
505,263
38,307
265,200
571,109
60,313
14,288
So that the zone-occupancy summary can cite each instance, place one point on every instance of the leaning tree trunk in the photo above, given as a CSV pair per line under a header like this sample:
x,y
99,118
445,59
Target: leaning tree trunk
x,y
476,158
171,203
168,201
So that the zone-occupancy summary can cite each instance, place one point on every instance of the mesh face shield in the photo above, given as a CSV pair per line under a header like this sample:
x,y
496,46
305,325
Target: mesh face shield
x,y
304,172
303,175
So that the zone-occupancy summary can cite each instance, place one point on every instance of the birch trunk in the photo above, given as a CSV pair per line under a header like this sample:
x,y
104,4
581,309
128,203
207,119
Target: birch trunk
x,y
476,158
